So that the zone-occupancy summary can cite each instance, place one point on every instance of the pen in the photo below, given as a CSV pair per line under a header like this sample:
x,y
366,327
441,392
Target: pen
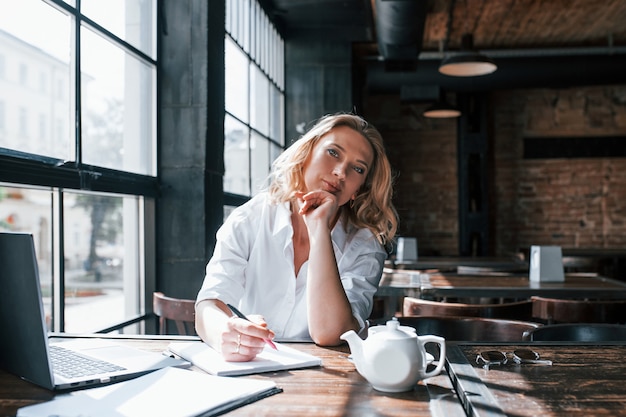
x,y
242,316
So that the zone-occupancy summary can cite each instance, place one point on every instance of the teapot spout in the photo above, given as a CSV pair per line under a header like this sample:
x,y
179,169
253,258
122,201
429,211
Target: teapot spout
x,y
355,343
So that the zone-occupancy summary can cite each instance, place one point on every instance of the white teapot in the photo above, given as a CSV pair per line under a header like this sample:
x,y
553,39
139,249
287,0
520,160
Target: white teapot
x,y
393,358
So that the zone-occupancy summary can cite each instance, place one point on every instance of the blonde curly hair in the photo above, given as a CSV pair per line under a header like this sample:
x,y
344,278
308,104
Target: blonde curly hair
x,y
373,207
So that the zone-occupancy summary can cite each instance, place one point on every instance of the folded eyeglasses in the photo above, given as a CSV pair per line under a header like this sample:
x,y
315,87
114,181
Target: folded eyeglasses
x,y
519,356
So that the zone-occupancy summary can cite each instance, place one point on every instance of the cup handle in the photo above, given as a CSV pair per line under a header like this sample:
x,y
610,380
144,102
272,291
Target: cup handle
x,y
422,340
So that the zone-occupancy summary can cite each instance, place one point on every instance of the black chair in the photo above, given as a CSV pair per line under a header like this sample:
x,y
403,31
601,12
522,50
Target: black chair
x,y
578,332
470,328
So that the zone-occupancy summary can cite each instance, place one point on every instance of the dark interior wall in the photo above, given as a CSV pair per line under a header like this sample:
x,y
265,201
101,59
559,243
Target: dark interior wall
x,y
318,82
423,155
191,136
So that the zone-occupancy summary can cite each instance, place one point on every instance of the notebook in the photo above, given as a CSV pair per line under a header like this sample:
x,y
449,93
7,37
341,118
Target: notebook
x,y
168,392
25,349
211,361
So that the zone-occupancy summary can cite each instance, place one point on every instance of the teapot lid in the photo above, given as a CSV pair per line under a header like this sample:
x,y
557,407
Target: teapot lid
x,y
393,331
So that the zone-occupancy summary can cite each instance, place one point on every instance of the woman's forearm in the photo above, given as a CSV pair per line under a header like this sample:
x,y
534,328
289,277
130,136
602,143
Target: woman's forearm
x,y
211,318
329,311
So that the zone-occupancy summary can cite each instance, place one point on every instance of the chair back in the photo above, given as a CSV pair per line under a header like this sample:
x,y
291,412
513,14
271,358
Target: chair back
x,y
470,328
520,310
578,332
181,311
554,310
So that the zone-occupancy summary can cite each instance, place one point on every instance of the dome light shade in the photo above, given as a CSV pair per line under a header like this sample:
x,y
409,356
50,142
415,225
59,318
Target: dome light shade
x,y
467,64
441,110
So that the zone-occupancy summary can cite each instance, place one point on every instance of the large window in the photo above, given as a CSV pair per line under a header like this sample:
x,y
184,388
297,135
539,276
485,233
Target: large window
x,y
254,120
78,151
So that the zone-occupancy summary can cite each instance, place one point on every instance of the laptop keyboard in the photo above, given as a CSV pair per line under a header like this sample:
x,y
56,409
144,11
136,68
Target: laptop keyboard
x,y
70,364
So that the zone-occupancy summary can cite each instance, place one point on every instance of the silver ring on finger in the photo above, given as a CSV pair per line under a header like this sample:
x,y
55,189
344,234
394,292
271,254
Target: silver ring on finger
x,y
238,343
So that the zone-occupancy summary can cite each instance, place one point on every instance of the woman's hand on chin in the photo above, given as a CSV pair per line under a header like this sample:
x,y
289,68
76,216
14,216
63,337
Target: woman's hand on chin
x,y
318,205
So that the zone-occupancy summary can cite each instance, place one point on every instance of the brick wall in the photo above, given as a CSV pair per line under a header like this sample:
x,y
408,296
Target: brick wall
x,y
422,152
573,203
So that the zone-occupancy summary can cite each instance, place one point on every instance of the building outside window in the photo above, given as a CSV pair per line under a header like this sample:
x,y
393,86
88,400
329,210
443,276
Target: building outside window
x,y
254,95
78,160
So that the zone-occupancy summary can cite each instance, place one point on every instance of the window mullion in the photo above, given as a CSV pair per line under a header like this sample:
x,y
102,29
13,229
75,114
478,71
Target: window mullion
x,y
58,263
77,90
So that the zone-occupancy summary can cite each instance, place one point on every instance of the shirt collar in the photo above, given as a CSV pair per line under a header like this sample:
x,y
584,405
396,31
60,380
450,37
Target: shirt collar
x,y
282,219
282,222
338,234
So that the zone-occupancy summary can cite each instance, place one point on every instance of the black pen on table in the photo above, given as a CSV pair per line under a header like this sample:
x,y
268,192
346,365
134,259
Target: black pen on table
x,y
242,316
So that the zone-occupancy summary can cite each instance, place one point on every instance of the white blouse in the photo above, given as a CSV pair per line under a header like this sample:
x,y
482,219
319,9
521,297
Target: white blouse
x,y
252,267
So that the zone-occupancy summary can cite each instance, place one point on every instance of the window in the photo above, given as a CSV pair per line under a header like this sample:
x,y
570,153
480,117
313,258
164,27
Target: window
x,y
254,120
78,152
2,119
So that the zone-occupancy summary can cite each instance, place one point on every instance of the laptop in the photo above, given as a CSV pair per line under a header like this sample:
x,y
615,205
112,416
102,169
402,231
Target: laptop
x,y
24,346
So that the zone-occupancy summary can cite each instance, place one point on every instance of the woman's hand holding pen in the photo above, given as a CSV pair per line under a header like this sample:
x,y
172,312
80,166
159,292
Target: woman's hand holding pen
x,y
244,339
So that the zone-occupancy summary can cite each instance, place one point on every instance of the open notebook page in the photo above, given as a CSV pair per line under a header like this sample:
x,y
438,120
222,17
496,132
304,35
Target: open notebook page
x,y
211,361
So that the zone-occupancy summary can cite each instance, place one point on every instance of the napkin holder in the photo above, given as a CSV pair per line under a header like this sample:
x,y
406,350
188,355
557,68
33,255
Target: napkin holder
x,y
546,264
407,249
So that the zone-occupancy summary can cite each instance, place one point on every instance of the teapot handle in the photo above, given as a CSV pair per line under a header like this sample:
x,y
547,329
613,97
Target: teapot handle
x,y
422,340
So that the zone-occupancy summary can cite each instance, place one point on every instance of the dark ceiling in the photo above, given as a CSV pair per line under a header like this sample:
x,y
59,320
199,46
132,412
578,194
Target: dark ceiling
x,y
534,42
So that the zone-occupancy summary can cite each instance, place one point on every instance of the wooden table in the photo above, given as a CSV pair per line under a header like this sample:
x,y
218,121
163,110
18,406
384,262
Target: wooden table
x,y
583,380
576,285
452,263
397,284
334,389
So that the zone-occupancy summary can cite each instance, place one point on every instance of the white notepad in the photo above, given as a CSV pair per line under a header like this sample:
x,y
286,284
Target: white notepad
x,y
211,361
169,392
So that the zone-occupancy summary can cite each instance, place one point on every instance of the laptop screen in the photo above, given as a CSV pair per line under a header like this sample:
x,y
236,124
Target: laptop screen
x,y
23,332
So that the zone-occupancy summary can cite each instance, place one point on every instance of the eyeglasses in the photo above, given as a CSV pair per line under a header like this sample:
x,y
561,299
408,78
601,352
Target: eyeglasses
x,y
519,356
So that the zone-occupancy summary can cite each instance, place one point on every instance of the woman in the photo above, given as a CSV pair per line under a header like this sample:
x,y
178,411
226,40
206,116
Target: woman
x,y
307,254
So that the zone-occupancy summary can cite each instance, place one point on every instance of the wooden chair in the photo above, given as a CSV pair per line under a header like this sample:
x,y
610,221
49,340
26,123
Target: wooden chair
x,y
578,332
554,310
519,310
181,311
470,328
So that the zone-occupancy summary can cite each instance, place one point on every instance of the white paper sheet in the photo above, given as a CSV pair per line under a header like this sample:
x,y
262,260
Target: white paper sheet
x,y
169,392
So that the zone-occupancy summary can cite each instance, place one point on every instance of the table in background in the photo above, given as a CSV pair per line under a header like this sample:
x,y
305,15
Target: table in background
x,y
452,263
399,278
583,380
335,389
514,286
397,284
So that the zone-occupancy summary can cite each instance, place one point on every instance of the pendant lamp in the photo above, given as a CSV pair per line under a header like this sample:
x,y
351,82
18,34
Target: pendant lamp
x,y
441,109
467,62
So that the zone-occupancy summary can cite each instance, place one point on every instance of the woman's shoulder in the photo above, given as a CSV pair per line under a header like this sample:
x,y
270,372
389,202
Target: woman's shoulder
x,y
362,238
243,212
258,207
255,202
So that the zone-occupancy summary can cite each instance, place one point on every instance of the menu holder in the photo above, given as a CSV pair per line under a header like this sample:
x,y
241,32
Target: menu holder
x,y
269,360
168,392
546,264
